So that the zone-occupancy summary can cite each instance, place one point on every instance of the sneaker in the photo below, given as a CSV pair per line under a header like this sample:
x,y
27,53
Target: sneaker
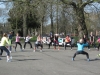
x,y
88,49
10,57
23,48
10,51
72,59
33,50
8,60
40,50
88,59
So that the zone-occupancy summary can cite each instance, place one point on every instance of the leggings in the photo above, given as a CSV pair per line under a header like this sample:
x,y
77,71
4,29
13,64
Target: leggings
x,y
5,49
68,43
19,44
81,52
50,43
28,43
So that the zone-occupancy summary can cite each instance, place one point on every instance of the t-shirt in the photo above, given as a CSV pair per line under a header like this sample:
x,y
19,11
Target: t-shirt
x,y
4,41
67,39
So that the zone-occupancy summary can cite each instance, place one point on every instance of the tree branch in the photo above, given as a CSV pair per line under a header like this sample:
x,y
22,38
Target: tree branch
x,y
86,3
69,3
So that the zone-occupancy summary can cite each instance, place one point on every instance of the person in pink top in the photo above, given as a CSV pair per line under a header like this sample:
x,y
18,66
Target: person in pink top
x,y
98,40
17,41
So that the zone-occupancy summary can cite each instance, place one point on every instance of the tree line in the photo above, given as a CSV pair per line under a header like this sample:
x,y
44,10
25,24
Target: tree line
x,y
67,16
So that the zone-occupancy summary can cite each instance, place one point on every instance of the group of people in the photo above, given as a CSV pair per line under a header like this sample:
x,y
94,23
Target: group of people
x,y
53,39
7,39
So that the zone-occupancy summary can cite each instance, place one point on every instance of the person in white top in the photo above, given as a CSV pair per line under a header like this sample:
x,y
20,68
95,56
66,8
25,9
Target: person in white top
x,y
27,40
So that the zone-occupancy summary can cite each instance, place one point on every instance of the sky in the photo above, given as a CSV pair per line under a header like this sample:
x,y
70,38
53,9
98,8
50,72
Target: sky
x,y
3,13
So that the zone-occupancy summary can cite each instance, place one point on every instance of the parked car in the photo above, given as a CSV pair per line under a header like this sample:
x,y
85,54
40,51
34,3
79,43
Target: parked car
x,y
61,41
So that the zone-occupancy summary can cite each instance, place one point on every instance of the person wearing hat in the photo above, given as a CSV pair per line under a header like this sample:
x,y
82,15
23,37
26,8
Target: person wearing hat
x,y
80,49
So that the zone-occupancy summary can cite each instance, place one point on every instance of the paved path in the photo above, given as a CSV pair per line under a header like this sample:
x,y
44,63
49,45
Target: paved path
x,y
50,62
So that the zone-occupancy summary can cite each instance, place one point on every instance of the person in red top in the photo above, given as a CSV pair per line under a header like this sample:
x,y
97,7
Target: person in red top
x,y
68,41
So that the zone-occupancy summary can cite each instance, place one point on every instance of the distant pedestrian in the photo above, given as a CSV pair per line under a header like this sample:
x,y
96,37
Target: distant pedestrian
x,y
80,50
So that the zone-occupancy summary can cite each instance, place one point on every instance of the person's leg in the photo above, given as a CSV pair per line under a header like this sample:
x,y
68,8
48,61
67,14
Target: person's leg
x,y
58,45
10,48
41,45
70,45
49,45
54,45
7,51
77,52
1,52
15,45
88,46
20,45
25,45
35,47
30,44
65,45
87,55
98,46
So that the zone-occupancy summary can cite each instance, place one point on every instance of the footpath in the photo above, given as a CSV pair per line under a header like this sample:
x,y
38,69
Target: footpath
x,y
50,62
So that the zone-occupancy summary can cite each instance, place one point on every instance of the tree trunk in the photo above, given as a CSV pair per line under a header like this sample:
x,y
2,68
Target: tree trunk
x,y
51,17
82,29
24,25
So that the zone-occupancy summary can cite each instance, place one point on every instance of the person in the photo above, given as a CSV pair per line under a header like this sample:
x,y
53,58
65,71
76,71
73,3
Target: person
x,y
39,42
85,40
3,43
10,36
92,39
56,42
27,40
17,41
51,40
80,49
98,40
68,41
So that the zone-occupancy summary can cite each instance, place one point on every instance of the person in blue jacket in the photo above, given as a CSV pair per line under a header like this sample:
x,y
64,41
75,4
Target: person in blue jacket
x,y
80,49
